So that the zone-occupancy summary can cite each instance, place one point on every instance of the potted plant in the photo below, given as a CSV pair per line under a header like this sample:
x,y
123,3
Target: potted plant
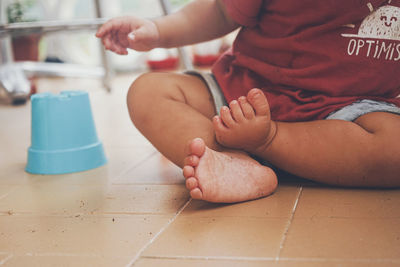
x,y
25,47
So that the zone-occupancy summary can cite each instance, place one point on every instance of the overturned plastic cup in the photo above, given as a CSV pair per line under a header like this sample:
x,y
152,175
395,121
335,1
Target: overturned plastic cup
x,y
63,137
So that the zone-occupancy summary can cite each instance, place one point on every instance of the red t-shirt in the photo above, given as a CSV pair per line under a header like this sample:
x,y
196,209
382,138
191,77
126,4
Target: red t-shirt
x,y
313,57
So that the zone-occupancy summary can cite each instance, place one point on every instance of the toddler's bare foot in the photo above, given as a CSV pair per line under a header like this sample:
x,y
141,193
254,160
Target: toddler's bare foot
x,y
225,177
247,124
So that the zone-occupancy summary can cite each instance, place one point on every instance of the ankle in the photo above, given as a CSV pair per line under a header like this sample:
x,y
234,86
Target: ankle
x,y
262,149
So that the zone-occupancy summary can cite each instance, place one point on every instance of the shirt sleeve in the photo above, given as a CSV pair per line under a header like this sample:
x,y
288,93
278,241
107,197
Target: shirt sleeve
x,y
244,12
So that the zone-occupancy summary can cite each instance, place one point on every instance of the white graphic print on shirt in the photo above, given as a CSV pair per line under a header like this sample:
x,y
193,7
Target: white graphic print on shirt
x,y
378,36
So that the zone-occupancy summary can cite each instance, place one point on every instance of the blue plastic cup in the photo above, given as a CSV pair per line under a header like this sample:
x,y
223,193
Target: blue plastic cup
x,y
63,137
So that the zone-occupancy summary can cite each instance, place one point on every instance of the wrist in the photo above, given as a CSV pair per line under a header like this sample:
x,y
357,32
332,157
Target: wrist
x,y
162,39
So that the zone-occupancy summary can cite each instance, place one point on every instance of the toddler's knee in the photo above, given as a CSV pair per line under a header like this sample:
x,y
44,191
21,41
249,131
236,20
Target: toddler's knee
x,y
139,87
139,96
145,92
147,86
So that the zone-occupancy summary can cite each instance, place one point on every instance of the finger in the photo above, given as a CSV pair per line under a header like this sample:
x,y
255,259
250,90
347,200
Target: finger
x,y
123,39
105,28
100,31
111,43
117,45
107,41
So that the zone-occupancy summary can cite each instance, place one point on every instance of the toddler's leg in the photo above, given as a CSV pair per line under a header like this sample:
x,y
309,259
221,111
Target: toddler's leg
x,y
172,110
361,153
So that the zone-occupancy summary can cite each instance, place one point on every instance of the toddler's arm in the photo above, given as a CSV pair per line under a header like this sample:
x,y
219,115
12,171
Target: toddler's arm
x,y
198,21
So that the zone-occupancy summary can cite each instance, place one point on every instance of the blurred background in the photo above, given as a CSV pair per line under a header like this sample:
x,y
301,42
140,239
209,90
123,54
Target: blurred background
x,y
33,32
82,47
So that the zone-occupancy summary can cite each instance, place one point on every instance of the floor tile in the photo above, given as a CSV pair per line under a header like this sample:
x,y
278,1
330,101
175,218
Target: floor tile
x,y
155,170
336,263
110,215
115,131
38,260
64,199
18,176
16,123
348,203
13,162
106,236
150,262
120,160
124,139
278,205
146,262
220,236
343,238
5,257
5,190
155,199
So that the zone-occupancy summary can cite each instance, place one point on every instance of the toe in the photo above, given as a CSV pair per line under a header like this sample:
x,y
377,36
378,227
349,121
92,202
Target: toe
x,y
236,111
218,125
196,193
197,147
188,171
226,117
191,183
247,109
259,102
191,160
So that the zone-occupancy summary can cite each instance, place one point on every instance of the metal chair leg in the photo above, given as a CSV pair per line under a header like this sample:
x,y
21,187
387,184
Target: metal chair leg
x,y
13,81
105,61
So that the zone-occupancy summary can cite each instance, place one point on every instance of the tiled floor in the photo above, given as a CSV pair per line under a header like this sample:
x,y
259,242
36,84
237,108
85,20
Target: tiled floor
x,y
136,211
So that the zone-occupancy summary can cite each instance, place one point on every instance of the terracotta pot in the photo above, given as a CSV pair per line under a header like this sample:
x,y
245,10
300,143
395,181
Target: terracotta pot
x,y
26,48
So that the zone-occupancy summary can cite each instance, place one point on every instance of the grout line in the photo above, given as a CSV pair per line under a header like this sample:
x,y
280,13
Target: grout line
x,y
62,254
107,214
138,255
272,259
289,223
211,258
6,259
355,260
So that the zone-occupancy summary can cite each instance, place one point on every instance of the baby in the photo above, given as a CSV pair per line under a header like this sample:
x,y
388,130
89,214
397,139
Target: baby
x,y
307,94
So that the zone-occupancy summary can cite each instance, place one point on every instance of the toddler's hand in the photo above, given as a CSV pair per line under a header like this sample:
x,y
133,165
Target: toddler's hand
x,y
121,33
